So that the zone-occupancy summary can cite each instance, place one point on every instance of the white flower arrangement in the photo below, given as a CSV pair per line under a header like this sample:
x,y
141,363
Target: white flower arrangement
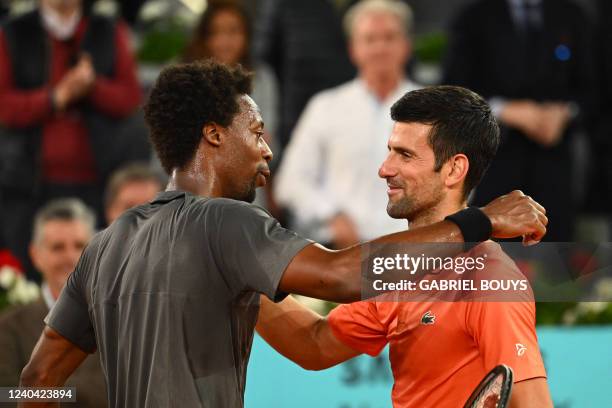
x,y
18,289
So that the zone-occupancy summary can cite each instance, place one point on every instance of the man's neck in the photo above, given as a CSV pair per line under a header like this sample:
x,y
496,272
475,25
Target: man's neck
x,y
382,86
194,182
436,214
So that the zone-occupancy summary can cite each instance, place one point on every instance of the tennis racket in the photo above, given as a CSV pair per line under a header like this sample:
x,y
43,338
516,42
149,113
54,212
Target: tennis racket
x,y
493,391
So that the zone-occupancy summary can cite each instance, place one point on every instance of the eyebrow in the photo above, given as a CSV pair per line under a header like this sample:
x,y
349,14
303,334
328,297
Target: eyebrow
x,y
257,123
402,150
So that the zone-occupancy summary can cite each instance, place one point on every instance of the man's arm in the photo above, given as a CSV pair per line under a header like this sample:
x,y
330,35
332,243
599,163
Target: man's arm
x,y
53,360
336,275
531,393
301,335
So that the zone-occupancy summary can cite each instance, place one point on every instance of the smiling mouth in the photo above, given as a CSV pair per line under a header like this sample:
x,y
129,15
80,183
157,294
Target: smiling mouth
x,y
393,189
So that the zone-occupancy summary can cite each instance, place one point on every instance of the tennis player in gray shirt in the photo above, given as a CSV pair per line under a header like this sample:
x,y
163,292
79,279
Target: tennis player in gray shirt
x,y
169,293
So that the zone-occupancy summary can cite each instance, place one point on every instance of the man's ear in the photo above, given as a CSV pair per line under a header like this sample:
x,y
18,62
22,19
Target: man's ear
x,y
457,168
211,133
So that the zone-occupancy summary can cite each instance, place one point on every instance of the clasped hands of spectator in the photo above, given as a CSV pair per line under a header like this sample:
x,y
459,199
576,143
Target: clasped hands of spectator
x,y
75,84
343,230
544,123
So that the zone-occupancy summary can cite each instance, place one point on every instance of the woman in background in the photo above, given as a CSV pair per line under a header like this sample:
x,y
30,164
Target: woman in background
x,y
224,33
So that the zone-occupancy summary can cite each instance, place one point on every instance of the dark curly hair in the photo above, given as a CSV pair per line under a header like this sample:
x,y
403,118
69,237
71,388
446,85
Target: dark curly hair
x,y
184,98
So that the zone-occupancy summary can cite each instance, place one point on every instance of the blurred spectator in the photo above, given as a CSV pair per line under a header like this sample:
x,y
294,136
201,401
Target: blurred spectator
x,y
328,177
302,41
61,230
224,33
533,60
600,197
130,9
128,187
67,87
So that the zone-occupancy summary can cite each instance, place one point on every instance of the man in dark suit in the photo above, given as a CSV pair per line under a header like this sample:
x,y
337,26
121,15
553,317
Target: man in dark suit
x,y
61,231
532,60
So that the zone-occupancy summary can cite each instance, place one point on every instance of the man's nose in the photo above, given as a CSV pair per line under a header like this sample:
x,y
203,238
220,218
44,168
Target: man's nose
x,y
266,152
386,170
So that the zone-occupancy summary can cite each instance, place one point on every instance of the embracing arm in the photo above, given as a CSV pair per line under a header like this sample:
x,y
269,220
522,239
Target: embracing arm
x,y
53,360
336,275
301,335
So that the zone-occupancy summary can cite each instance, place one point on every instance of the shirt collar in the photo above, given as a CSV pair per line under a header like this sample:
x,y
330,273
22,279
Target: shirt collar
x,y
393,96
167,196
47,296
60,28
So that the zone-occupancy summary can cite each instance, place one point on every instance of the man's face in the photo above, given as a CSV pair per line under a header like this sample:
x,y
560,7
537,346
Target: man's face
x,y
379,45
246,153
56,251
130,195
413,186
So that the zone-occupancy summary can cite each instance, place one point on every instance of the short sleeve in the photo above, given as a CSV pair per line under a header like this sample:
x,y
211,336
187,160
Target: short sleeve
x,y
250,247
359,326
70,314
505,334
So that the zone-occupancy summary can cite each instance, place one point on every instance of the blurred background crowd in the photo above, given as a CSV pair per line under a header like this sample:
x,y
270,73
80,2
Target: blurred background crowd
x,y
74,152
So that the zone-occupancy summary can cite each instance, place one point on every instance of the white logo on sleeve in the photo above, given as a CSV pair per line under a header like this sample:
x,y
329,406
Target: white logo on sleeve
x,y
520,349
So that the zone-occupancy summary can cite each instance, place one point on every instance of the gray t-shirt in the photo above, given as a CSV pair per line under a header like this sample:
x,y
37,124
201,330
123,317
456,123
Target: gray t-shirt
x,y
169,295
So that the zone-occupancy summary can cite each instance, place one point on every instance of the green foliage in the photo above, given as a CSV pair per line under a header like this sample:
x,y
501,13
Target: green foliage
x,y
163,42
430,47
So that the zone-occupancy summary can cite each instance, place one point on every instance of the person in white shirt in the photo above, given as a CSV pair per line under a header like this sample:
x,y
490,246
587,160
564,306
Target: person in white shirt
x,y
328,176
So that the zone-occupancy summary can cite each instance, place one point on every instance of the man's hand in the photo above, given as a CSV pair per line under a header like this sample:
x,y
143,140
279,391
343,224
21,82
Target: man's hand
x,y
75,84
344,231
524,115
515,214
544,123
555,117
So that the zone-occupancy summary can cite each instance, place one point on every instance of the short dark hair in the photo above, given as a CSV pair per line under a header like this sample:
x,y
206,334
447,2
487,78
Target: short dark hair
x,y
184,98
131,173
462,122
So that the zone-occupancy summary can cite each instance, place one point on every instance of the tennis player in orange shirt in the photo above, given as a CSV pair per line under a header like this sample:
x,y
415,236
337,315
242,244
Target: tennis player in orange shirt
x,y
442,143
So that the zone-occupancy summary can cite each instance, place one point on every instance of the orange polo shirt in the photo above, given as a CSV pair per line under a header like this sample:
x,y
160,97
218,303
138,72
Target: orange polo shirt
x,y
440,351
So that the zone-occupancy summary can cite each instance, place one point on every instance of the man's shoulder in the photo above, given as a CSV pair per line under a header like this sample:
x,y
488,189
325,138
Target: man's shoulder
x,y
196,206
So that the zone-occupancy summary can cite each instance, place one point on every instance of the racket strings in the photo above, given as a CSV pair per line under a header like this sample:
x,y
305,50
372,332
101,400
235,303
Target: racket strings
x,y
491,394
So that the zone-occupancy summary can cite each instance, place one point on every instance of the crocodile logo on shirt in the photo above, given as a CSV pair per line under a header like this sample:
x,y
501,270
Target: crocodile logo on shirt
x,y
428,318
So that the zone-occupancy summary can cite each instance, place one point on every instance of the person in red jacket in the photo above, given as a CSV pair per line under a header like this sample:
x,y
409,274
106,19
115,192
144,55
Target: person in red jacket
x,y
52,86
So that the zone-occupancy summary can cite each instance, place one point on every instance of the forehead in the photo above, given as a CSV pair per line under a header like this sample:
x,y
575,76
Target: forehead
x,y
249,111
372,21
410,135
139,184
59,229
